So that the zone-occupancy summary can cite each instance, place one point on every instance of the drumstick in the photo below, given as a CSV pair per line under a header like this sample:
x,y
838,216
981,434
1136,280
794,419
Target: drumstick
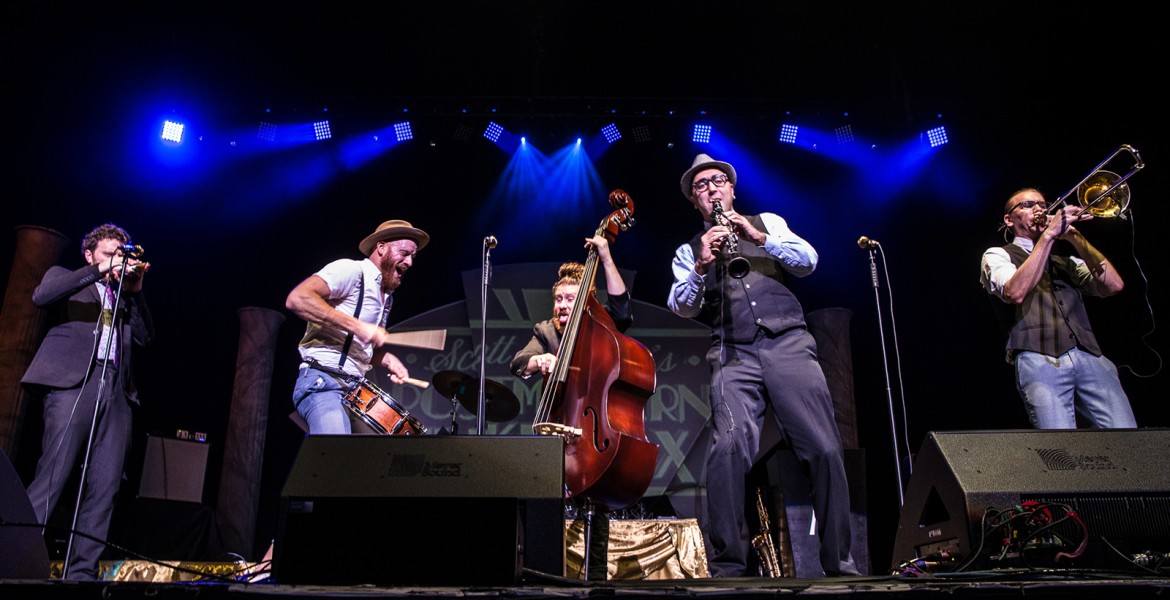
x,y
417,382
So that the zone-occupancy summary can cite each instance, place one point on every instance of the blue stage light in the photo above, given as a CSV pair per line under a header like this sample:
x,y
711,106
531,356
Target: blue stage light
x,y
937,136
702,134
266,132
321,130
611,133
844,134
402,131
788,133
493,132
172,131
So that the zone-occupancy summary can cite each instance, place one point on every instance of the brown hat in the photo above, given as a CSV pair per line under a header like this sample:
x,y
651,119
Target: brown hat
x,y
702,161
394,230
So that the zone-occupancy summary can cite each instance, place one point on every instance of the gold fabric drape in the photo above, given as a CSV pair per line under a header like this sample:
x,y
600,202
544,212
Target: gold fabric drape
x,y
642,549
167,571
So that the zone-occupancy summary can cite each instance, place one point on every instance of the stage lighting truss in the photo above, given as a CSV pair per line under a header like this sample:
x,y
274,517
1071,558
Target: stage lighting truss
x,y
611,133
701,134
172,131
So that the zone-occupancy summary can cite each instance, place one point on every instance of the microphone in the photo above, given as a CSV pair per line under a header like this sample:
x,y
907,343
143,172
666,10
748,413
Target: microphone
x,y
489,241
867,244
131,250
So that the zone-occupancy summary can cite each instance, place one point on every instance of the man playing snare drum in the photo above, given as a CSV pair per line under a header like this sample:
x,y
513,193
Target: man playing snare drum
x,y
346,304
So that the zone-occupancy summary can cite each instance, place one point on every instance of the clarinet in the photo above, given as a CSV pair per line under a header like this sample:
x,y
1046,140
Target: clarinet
x,y
737,266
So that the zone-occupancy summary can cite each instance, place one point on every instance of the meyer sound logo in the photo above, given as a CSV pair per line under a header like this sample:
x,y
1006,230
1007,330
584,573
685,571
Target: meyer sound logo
x,y
1059,459
417,465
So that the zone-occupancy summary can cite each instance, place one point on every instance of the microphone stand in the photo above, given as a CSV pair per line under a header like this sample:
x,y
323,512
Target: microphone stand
x,y
489,242
97,403
873,275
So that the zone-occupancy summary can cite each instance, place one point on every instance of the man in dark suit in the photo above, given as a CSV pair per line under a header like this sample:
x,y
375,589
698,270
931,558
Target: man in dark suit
x,y
97,316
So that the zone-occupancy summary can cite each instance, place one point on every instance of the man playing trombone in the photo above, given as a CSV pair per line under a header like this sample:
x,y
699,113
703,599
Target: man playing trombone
x,y
1060,370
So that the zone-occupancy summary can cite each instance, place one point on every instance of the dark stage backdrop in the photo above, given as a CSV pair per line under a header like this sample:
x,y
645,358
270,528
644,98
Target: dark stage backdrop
x,y
1024,104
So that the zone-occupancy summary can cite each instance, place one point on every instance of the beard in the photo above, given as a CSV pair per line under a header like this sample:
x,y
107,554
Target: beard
x,y
557,322
390,277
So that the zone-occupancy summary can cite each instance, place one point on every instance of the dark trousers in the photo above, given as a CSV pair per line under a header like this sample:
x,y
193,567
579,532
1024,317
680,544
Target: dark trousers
x,y
782,371
69,416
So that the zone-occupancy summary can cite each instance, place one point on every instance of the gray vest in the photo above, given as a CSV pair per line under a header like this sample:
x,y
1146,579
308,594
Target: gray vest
x,y
736,308
1052,319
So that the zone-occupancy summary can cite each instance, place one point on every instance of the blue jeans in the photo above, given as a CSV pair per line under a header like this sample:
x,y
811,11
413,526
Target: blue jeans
x,y
1055,390
318,397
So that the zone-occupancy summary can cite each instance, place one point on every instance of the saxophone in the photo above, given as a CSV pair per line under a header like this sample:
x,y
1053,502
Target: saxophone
x,y
762,542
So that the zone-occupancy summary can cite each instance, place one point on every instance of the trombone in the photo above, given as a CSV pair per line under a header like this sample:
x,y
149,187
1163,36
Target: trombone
x,y
1102,193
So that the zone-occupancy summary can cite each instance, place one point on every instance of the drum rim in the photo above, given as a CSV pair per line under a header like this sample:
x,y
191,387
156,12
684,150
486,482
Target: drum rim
x,y
379,394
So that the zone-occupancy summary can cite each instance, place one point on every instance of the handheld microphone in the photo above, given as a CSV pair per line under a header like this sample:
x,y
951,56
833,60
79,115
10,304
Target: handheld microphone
x,y
867,244
489,241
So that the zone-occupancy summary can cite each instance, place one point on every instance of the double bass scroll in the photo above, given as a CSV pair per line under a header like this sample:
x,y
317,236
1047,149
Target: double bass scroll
x,y
596,395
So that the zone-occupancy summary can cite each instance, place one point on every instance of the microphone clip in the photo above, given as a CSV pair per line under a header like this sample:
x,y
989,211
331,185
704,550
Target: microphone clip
x,y
131,250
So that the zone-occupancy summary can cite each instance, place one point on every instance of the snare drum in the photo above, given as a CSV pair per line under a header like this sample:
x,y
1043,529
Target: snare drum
x,y
381,413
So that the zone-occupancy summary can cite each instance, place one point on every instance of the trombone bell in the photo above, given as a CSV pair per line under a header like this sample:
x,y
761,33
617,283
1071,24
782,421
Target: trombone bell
x,y
1089,194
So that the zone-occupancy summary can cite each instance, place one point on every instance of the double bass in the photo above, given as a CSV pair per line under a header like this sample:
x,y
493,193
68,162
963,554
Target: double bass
x,y
596,395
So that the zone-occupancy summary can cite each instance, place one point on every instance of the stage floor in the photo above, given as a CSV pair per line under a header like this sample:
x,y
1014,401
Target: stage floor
x,y
224,581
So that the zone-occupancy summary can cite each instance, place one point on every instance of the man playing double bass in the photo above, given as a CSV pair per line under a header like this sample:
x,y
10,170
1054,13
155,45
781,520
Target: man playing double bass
x,y
540,354
346,304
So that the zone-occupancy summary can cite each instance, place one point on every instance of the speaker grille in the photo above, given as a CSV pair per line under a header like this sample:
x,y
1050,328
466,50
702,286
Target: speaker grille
x,y
1115,518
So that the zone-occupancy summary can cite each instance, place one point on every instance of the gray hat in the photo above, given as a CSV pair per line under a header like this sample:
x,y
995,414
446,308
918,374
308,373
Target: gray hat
x,y
702,162
393,230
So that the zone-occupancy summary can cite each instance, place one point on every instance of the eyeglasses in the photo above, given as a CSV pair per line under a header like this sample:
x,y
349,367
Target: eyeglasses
x,y
1030,204
701,184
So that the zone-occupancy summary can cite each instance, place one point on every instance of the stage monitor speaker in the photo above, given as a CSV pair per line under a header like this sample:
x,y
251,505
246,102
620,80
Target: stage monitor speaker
x,y
23,554
173,469
1117,481
422,510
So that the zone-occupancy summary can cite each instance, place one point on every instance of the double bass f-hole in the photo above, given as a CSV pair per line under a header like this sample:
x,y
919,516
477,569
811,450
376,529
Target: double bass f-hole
x,y
599,443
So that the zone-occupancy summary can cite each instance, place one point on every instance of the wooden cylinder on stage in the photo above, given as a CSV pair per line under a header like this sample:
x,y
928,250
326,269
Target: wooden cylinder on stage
x,y
22,324
239,490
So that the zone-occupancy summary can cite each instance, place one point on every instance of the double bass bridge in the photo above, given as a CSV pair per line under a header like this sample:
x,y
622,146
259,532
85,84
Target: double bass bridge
x,y
560,429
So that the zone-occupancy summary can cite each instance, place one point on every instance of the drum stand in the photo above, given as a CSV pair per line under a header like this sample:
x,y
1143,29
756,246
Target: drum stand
x,y
454,412
595,567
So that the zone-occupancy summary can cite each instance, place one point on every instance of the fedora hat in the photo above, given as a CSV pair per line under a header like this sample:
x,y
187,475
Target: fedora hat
x,y
702,161
394,230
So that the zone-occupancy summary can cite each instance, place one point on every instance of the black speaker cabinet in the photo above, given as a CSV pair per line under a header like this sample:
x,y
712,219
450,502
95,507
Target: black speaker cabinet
x,y
173,469
421,510
23,554
1116,480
